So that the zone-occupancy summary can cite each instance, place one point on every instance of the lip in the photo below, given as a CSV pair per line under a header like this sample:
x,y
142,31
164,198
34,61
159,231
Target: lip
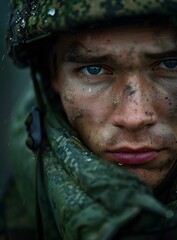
x,y
130,156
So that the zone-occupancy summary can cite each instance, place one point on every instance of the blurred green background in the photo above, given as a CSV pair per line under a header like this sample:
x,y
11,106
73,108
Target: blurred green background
x,y
12,82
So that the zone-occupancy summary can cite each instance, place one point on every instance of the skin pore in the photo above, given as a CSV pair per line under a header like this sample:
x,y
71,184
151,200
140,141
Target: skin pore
x,y
118,87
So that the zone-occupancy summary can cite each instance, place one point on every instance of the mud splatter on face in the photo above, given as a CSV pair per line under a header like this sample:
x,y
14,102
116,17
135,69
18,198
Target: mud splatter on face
x,y
68,97
76,114
135,106
129,90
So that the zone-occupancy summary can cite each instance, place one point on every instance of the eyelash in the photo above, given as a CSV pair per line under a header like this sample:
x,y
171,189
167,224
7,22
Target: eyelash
x,y
104,70
94,68
166,68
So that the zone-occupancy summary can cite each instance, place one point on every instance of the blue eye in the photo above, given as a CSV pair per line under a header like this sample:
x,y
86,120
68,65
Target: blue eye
x,y
92,70
169,63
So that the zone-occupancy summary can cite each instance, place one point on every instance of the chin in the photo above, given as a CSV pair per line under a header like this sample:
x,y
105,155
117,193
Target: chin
x,y
151,178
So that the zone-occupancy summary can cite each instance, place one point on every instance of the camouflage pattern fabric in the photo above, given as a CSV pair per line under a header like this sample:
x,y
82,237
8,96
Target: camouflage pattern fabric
x,y
32,20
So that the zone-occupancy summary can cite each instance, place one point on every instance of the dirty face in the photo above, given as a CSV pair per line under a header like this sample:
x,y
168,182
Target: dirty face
x,y
119,90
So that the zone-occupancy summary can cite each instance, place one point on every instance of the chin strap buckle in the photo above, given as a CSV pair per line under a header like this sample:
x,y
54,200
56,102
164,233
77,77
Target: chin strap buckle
x,y
33,127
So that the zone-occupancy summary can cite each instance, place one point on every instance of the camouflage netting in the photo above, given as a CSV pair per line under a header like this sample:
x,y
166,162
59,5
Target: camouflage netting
x,y
36,19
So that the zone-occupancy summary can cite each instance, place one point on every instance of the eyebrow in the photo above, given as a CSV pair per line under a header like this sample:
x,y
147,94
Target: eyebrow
x,y
87,59
73,54
166,54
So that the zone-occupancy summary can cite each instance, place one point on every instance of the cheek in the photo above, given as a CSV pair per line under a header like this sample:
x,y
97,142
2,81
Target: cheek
x,y
172,102
86,105
89,116
166,102
70,102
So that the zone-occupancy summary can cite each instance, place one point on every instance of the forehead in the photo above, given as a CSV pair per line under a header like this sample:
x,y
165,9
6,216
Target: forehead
x,y
149,37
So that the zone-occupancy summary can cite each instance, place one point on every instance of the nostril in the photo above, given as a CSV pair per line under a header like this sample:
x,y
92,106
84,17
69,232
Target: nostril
x,y
120,126
150,125
149,113
134,119
134,113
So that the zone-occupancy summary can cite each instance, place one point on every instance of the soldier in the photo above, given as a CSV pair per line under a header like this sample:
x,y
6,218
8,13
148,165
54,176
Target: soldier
x,y
104,132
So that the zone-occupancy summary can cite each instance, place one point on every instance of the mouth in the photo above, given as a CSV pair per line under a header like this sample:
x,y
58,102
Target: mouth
x,y
130,156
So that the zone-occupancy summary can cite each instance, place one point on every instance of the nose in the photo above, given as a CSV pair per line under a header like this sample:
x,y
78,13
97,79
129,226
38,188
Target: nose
x,y
135,110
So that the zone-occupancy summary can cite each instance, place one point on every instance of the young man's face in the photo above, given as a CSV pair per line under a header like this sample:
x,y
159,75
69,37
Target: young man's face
x,y
119,90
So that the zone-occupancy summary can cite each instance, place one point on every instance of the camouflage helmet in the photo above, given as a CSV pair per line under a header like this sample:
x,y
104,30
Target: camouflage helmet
x,y
31,20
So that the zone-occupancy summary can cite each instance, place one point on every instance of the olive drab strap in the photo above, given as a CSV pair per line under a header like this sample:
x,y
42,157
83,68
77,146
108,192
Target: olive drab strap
x,y
33,127
34,142
39,225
